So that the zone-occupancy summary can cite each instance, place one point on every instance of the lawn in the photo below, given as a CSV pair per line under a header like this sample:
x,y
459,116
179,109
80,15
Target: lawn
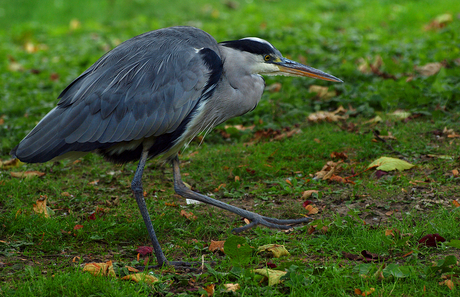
x,y
304,151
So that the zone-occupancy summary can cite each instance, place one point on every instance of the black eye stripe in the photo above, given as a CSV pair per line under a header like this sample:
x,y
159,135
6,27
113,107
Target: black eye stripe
x,y
250,46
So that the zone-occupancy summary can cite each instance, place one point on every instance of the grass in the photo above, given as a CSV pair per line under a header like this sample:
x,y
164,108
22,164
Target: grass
x,y
260,169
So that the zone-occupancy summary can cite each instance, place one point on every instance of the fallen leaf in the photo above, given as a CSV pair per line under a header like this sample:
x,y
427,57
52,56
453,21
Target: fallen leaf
x,y
429,69
27,174
209,289
322,92
232,287
311,209
137,277
399,114
358,291
308,193
8,164
455,172
431,240
217,245
188,215
456,203
389,164
40,207
439,22
338,155
271,265
276,250
389,213
328,170
76,227
132,269
321,116
102,269
368,292
306,203
274,276
171,204
449,283
76,259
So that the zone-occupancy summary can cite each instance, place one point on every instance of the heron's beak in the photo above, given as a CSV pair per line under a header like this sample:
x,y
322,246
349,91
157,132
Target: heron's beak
x,y
293,68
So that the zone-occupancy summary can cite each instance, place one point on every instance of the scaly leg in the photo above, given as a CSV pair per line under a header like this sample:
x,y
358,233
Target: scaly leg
x,y
255,218
136,186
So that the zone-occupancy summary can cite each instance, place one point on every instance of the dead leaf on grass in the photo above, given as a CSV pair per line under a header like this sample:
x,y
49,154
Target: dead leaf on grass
x,y
137,277
276,250
27,174
40,206
399,114
306,194
439,22
322,92
188,215
144,250
389,164
328,170
449,283
217,246
335,116
232,287
429,69
100,269
339,155
8,164
273,276
456,203
431,240
209,290
311,209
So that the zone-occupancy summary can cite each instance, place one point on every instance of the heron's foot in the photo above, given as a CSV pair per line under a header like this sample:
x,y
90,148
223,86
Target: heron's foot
x,y
256,219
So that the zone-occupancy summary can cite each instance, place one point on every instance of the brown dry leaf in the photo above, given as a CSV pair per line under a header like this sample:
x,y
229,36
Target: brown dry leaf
x,y
311,209
76,259
137,277
217,245
276,250
9,163
13,65
287,134
220,187
308,193
274,88
132,269
456,203
237,178
328,170
171,204
455,172
389,136
94,182
449,283
27,174
321,116
429,69
368,292
389,232
389,213
103,269
358,291
322,92
240,127
209,290
40,207
66,194
231,287
339,155
439,22
188,215
246,221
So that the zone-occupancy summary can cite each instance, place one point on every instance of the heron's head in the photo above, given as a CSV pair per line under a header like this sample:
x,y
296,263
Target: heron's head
x,y
263,58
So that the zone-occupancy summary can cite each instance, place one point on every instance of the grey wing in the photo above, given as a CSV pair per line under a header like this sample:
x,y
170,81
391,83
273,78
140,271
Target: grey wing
x,y
145,87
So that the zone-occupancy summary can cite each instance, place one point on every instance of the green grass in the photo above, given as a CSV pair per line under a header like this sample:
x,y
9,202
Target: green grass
x,y
38,255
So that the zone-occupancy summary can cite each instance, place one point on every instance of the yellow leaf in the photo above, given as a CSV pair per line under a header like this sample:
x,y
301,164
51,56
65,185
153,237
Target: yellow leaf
x,y
389,164
210,290
10,163
311,209
429,69
274,276
137,277
232,287
27,174
276,250
40,207
102,269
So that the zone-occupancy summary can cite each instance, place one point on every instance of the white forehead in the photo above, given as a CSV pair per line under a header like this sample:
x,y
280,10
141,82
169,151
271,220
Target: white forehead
x,y
257,39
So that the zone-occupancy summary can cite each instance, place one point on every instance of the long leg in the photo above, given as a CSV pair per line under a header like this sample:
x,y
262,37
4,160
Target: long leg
x,y
136,186
255,218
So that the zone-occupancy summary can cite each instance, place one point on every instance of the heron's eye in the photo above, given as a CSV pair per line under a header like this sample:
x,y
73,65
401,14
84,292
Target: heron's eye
x,y
267,58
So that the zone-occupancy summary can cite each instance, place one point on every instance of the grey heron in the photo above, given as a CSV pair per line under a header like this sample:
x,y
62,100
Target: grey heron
x,y
150,96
